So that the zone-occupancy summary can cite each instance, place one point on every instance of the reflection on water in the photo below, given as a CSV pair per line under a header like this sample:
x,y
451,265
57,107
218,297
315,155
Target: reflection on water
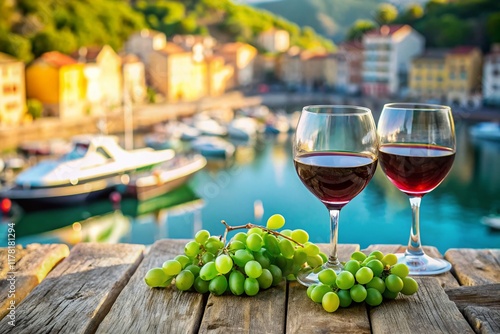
x,y
260,180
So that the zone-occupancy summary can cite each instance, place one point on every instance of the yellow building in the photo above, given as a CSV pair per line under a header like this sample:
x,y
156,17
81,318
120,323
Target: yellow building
x,y
319,70
428,77
464,68
176,75
58,82
241,57
12,90
218,74
274,40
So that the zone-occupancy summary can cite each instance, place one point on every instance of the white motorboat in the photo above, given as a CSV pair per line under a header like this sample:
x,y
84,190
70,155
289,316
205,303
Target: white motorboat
x,y
486,131
213,147
243,128
493,221
94,166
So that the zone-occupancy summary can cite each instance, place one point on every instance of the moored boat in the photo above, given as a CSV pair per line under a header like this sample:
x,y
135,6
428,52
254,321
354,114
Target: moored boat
x,y
486,131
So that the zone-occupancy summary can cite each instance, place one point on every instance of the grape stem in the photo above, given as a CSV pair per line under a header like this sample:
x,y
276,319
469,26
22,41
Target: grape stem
x,y
249,226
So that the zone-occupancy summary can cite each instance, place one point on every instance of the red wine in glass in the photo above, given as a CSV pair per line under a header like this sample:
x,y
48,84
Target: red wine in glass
x,y
335,177
416,169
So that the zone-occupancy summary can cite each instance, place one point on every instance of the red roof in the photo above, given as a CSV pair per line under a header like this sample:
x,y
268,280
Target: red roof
x,y
462,50
57,59
385,30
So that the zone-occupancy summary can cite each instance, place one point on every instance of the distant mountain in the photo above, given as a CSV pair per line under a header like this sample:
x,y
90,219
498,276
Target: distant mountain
x,y
330,18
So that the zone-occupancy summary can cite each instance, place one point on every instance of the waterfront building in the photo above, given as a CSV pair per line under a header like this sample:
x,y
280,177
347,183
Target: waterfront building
x,y
103,75
134,78
319,70
241,56
464,68
274,40
58,81
491,77
218,74
200,46
387,53
428,77
12,90
342,81
290,71
350,54
176,75
144,43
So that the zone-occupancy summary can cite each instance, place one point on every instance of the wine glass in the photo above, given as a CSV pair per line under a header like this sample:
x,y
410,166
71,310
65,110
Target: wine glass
x,y
417,149
335,152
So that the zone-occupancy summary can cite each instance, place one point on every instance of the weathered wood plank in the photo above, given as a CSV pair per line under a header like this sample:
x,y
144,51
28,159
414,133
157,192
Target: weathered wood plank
x,y
483,320
447,280
427,311
77,294
154,310
475,266
305,316
28,268
480,295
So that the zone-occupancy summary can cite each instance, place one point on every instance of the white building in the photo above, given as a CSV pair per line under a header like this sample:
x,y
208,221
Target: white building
x,y
491,77
387,53
274,40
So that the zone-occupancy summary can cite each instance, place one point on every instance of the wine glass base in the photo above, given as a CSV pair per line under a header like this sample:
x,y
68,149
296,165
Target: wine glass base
x,y
309,276
423,264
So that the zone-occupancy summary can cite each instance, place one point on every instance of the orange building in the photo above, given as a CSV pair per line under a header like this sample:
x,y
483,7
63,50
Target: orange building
x,y
58,82
12,90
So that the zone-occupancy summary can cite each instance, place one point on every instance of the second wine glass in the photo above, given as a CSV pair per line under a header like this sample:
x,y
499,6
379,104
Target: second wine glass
x,y
335,151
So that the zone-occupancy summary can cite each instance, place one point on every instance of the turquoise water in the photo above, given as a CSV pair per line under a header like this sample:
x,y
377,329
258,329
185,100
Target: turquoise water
x,y
264,173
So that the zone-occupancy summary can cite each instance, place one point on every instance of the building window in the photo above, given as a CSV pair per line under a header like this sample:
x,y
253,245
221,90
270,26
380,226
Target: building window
x,y
463,75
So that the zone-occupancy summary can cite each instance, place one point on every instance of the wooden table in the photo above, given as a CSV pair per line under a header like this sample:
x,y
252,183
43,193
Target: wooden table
x,y
100,288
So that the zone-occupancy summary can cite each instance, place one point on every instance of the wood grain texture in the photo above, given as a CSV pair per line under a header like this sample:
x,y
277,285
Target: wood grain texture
x,y
475,266
141,309
305,316
484,320
480,295
427,311
77,294
30,267
447,280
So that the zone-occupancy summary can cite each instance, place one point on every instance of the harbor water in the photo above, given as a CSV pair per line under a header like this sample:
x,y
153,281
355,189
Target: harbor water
x,y
260,180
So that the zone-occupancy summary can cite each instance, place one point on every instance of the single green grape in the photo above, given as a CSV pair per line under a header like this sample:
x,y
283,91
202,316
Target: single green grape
x,y
364,275
345,280
272,244
319,291
236,282
314,261
218,285
241,237
254,230
242,256
172,267
394,283
253,269
368,259
287,233
373,297
327,276
235,245
265,279
410,286
345,298
184,281
254,242
183,260
352,266
389,259
323,257
400,269
251,286
299,256
311,249
194,269
310,288
261,257
192,249
358,256
156,278
201,236
277,274
286,248
208,272
223,263
275,222
330,302
378,254
388,294
300,236
200,285
358,293
377,283
207,257
376,266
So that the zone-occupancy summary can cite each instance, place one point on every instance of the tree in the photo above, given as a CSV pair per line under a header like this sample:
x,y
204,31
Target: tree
x,y
453,31
34,108
386,13
358,29
53,40
413,12
16,46
493,27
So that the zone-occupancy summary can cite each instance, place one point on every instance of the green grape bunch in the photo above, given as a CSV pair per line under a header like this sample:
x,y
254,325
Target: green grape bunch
x,y
249,262
369,279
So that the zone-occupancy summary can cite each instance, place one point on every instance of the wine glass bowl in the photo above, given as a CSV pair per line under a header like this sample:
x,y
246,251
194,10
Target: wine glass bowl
x,y
335,150
417,149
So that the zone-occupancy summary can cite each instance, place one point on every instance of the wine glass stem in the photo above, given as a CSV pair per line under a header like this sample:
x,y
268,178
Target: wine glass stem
x,y
333,260
414,245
